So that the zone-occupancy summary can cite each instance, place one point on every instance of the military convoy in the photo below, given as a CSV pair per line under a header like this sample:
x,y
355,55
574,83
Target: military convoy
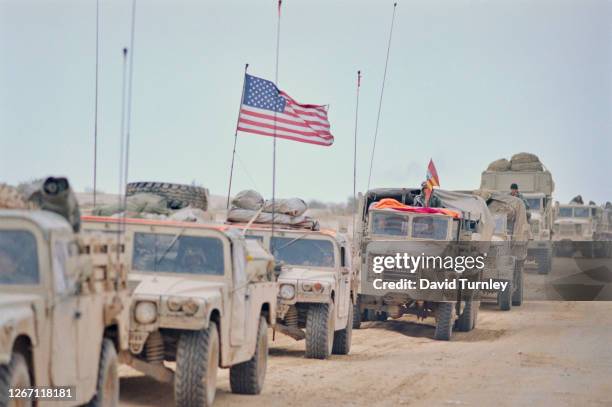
x,y
390,224
203,296
63,303
581,230
536,186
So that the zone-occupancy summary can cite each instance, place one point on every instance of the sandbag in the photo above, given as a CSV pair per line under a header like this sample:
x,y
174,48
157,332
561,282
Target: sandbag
x,y
526,166
524,158
138,203
248,199
499,165
190,214
291,206
245,216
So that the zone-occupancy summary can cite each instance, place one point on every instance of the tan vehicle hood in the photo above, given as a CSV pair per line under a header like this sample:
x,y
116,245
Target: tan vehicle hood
x,y
161,285
306,274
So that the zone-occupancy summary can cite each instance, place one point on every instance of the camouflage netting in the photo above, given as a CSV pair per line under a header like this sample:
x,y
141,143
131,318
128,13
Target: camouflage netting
x,y
152,206
249,204
11,198
518,162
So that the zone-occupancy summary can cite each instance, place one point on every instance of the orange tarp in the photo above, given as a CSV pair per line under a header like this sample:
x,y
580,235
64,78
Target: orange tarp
x,y
390,203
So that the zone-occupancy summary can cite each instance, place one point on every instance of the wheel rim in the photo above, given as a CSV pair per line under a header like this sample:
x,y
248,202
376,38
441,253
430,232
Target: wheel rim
x,y
211,371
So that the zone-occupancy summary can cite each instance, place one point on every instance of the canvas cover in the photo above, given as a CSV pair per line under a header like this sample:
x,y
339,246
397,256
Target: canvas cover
x,y
472,207
512,207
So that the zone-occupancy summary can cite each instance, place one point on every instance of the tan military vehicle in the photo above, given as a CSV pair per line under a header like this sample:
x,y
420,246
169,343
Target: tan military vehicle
x,y
576,227
315,299
508,246
433,231
536,186
203,296
63,306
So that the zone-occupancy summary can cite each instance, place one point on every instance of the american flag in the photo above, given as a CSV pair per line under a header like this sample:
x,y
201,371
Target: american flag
x,y
268,111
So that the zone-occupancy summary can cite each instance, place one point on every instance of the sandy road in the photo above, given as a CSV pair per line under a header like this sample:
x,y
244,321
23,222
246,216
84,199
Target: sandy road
x,y
543,353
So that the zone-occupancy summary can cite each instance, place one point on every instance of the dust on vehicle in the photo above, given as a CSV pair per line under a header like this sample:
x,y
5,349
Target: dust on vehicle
x,y
536,185
203,296
403,228
64,299
316,297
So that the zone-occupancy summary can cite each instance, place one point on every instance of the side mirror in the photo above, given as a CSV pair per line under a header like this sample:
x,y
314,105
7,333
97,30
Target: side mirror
x,y
278,267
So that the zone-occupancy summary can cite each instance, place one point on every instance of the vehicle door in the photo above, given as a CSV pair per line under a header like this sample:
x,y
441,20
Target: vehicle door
x,y
240,296
344,280
65,317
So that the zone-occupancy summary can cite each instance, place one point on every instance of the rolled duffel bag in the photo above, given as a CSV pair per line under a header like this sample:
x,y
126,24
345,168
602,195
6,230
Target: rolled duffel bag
x,y
290,206
248,199
499,165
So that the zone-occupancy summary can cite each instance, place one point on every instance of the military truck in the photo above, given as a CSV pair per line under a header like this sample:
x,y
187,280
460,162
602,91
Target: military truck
x,y
418,231
63,303
315,299
203,296
536,186
580,230
508,246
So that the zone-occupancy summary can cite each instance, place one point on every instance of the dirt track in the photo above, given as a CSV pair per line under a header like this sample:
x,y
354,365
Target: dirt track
x,y
543,353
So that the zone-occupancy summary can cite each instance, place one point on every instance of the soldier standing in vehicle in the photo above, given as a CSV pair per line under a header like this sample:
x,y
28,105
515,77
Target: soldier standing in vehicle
x,y
514,191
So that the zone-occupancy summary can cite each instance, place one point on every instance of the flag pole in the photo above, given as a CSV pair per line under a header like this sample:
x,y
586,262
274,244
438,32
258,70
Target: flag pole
x,y
355,155
229,189
280,2
95,160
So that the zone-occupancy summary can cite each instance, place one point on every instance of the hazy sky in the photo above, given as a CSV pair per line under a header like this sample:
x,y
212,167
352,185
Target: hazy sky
x,y
468,82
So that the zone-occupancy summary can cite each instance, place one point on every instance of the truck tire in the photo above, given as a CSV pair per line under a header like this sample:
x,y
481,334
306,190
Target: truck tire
x,y
319,331
517,295
343,337
248,377
444,321
504,298
197,361
107,387
467,320
356,317
14,375
179,195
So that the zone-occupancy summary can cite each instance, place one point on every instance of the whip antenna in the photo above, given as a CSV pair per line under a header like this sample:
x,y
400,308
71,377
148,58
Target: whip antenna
x,y
95,160
355,154
382,91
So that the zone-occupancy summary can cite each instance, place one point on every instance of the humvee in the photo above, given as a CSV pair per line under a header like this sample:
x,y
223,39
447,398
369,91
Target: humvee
x,y
203,296
315,299
63,310
386,232
508,245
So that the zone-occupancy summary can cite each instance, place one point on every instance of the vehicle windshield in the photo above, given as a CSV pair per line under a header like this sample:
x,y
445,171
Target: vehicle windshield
x,y
565,212
534,203
18,258
172,253
581,212
303,252
389,224
429,227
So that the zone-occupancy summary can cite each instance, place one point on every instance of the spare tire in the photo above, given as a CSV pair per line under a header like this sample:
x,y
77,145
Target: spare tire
x,y
178,195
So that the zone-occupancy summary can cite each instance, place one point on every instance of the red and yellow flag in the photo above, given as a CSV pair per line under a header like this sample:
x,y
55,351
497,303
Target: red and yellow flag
x,y
431,181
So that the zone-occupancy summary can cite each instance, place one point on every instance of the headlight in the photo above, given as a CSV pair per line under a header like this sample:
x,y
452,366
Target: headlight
x,y
174,304
190,307
287,291
145,312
